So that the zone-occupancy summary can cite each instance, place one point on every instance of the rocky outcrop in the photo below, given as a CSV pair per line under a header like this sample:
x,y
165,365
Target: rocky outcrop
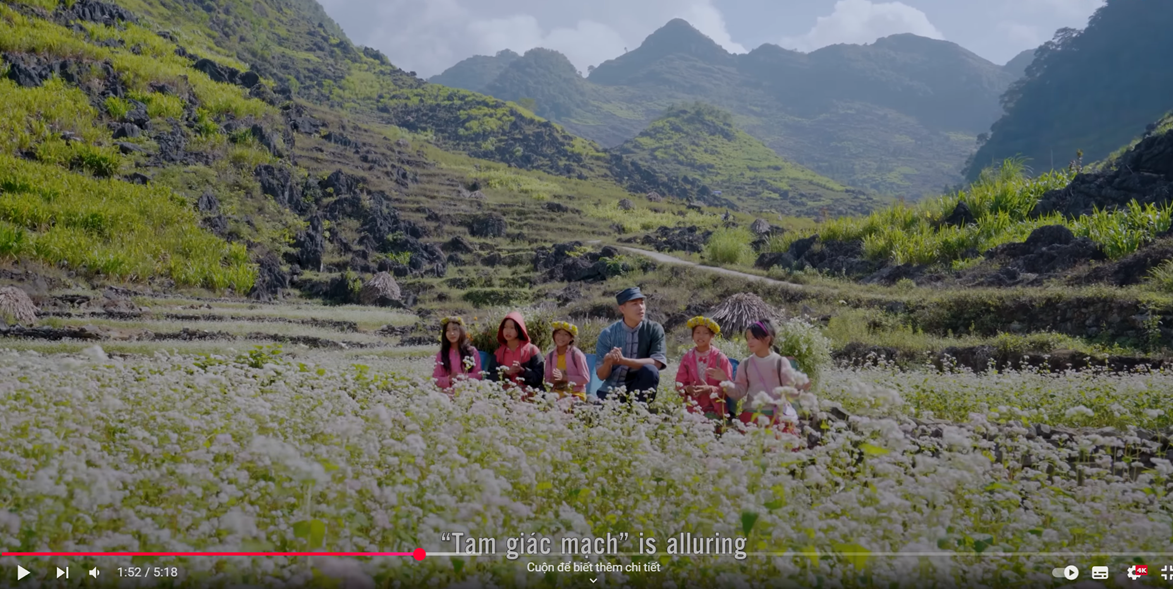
x,y
486,225
1144,174
1048,250
834,257
568,262
310,246
271,279
96,12
278,183
960,217
679,239
1131,269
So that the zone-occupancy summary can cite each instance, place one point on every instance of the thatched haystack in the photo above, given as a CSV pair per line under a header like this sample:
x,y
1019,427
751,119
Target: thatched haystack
x,y
760,227
739,311
16,306
626,204
382,291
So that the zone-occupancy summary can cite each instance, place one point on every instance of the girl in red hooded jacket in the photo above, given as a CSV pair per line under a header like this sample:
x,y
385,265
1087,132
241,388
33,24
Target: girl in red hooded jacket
x,y
517,361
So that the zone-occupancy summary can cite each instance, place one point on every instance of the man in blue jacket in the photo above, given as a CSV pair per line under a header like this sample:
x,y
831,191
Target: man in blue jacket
x,y
632,351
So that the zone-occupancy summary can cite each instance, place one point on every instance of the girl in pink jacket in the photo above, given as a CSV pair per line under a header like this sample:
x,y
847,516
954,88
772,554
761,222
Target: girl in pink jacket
x,y
566,365
702,370
457,358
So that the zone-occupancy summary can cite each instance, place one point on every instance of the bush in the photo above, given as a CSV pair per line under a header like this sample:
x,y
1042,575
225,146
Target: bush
x,y
729,246
807,344
1160,277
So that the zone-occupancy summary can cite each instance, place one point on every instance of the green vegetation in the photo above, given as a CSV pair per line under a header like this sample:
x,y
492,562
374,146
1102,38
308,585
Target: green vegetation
x,y
1079,95
112,228
729,247
1002,202
156,62
702,141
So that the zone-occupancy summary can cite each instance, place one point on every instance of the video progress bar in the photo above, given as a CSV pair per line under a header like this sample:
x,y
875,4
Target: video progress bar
x,y
418,553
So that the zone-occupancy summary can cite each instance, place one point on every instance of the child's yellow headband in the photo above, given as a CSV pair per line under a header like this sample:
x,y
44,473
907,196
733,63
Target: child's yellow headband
x,y
570,328
709,323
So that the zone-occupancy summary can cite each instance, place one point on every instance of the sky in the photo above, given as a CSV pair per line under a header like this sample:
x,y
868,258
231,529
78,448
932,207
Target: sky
x,y
428,36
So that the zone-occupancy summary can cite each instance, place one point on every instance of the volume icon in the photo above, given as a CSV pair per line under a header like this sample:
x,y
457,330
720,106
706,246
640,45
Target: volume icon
x,y
94,572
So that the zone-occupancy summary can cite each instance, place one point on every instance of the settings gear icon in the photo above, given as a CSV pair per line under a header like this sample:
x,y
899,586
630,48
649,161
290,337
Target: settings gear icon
x,y
1132,574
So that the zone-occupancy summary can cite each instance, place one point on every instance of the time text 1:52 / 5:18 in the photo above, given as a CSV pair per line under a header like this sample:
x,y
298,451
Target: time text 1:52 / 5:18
x,y
148,572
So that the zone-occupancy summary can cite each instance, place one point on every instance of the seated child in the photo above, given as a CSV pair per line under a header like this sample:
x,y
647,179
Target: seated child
x,y
517,362
702,369
766,380
566,365
457,359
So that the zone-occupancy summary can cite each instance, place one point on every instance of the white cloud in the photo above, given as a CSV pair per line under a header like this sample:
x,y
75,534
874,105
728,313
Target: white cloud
x,y
428,36
1021,36
863,21
1063,8
588,43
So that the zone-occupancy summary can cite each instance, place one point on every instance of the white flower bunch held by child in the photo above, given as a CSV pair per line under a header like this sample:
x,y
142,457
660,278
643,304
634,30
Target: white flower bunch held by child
x,y
767,382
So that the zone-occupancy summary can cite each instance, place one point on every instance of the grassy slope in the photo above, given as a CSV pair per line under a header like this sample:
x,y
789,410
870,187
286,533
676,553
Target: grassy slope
x,y
138,233
702,141
88,218
1002,202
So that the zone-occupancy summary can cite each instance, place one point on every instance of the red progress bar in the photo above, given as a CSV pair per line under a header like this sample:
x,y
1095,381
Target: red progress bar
x,y
418,554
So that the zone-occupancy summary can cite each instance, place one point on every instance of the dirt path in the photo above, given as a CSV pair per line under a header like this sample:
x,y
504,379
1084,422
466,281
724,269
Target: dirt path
x,y
667,259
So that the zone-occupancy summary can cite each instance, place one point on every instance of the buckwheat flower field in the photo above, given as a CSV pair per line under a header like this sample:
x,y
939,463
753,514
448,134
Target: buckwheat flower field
x,y
975,480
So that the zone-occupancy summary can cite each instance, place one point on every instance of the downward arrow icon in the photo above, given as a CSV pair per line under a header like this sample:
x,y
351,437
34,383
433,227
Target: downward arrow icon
x,y
593,580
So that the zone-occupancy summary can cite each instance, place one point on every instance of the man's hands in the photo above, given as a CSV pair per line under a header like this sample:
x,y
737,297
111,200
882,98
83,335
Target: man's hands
x,y
615,356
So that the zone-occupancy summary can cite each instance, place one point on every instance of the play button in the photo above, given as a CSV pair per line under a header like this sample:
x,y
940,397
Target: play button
x,y
21,572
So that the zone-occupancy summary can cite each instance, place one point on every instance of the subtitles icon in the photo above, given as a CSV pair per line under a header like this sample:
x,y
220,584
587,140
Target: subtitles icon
x,y
1100,573
1137,571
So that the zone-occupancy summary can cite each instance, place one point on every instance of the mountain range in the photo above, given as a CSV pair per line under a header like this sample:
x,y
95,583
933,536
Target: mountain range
x,y
899,116
1087,91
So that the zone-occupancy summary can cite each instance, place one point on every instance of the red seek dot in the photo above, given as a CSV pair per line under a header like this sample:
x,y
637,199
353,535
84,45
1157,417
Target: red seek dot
x,y
418,554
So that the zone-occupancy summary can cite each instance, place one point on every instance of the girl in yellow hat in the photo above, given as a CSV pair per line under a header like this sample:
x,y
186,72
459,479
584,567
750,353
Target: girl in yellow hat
x,y
566,365
702,370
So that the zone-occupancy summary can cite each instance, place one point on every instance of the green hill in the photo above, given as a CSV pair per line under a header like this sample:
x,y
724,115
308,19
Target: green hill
x,y
898,116
1018,64
476,72
1091,90
702,141
153,142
